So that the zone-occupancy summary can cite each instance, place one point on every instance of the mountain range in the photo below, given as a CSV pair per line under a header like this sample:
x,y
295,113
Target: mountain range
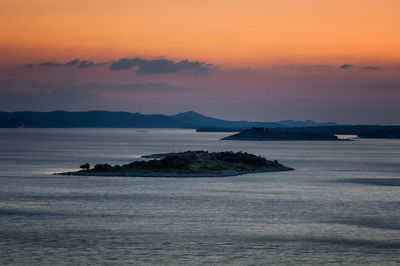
x,y
106,119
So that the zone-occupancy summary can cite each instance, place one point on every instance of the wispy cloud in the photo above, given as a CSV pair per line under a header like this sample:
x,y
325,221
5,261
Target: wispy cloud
x,y
50,64
76,62
303,66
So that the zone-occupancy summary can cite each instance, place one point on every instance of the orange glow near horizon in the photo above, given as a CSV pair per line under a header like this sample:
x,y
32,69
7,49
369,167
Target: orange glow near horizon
x,y
238,33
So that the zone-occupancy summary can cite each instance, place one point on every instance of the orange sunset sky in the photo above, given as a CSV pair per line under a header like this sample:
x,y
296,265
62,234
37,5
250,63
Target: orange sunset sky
x,y
302,59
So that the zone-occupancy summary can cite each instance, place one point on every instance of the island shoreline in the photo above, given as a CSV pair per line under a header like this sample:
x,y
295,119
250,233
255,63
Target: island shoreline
x,y
174,174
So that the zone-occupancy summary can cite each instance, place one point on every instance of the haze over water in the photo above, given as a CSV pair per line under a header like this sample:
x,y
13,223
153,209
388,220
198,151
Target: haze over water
x,y
340,205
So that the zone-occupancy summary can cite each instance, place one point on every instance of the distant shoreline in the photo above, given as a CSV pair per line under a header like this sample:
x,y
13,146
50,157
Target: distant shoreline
x,y
174,174
251,139
266,134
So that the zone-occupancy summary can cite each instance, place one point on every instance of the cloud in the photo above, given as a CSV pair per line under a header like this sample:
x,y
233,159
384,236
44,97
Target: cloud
x,y
371,68
124,64
160,66
72,63
320,66
302,66
75,62
144,66
346,66
88,63
50,64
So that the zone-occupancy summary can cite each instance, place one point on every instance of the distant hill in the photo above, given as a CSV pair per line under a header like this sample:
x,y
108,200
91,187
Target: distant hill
x,y
105,119
360,130
96,119
385,133
317,132
199,120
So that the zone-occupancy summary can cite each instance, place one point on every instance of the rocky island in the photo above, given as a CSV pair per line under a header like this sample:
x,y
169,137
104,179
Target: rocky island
x,y
187,164
266,134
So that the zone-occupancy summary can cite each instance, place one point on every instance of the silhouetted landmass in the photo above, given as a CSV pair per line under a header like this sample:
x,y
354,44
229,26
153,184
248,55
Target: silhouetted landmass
x,y
345,130
363,131
189,163
91,119
265,134
192,120
104,119
219,129
382,134
199,120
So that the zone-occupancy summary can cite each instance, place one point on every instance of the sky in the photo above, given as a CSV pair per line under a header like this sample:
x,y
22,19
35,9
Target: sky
x,y
232,59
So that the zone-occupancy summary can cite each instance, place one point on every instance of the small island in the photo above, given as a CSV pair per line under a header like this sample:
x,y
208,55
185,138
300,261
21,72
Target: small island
x,y
186,164
266,134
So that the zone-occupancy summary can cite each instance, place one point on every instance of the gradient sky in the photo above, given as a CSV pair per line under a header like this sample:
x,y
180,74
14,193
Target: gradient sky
x,y
255,60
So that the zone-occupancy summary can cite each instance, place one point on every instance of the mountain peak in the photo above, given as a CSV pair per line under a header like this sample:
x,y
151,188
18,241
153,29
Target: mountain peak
x,y
188,114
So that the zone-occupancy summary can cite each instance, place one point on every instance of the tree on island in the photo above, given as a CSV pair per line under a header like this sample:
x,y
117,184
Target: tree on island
x,y
85,166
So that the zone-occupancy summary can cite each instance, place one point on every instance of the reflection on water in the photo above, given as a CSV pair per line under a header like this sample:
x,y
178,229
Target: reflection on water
x,y
340,205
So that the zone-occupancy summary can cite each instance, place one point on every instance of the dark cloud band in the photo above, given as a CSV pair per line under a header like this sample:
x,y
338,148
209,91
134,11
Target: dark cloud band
x,y
159,66
346,66
76,62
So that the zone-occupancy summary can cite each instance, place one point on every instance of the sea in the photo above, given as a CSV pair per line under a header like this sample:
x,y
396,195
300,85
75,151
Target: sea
x,y
340,206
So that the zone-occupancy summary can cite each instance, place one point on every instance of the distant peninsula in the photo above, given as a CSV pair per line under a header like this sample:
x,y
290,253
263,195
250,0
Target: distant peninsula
x,y
187,164
266,134
390,133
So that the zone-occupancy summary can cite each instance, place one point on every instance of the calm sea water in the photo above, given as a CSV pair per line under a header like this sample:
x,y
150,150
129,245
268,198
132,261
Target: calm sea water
x,y
340,206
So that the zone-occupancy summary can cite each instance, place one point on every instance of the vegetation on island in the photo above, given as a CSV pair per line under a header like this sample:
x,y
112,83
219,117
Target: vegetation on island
x,y
260,133
85,166
202,163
